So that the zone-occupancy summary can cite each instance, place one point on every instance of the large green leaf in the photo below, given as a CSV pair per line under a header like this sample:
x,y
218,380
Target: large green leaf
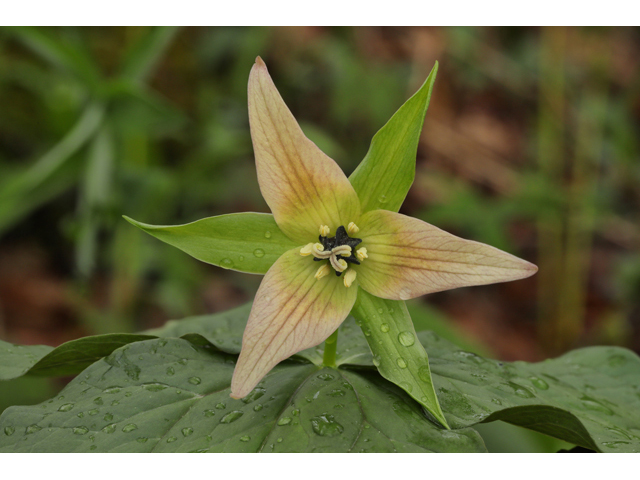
x,y
221,330
224,330
590,396
247,242
397,354
169,395
383,178
16,360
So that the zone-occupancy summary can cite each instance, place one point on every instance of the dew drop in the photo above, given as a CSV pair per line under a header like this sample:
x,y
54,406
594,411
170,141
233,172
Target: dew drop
x,y
226,263
245,438
424,373
284,421
406,386
108,417
267,234
406,338
94,411
66,407
384,328
112,390
171,439
232,416
114,403
325,426
257,408
80,415
496,401
382,199
221,406
9,431
209,413
539,383
380,311
109,428
327,377
279,440
171,371
195,380
376,360
98,401
258,252
336,392
141,439
33,428
402,363
130,427
254,395
187,431
520,391
80,430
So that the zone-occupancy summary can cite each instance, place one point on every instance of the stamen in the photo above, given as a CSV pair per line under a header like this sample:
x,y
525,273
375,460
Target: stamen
x,y
344,250
361,254
338,263
349,277
306,250
323,271
352,229
319,252
324,230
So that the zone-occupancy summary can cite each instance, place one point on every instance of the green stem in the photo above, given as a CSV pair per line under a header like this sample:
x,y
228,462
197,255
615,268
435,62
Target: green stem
x,y
330,345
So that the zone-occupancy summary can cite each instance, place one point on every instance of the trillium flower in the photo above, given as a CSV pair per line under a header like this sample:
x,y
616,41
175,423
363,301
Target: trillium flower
x,y
310,289
333,242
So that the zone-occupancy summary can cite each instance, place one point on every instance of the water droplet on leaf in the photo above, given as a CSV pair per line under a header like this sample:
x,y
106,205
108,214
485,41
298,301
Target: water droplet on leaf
x,y
325,426
258,252
406,338
231,416
130,427
66,407
384,328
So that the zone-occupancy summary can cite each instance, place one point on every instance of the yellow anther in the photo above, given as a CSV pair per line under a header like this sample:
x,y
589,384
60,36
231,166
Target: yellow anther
x,y
344,250
352,229
323,271
306,250
349,277
338,263
361,254
325,230
318,251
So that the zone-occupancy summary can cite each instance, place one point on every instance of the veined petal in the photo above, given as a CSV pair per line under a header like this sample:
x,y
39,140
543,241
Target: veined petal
x,y
408,258
292,311
303,187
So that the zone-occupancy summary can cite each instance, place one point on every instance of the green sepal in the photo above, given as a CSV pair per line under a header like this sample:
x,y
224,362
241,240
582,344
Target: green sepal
x,y
246,242
397,353
383,178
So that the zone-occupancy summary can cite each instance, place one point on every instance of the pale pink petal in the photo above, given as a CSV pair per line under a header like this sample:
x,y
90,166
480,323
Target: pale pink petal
x,y
292,311
408,258
303,187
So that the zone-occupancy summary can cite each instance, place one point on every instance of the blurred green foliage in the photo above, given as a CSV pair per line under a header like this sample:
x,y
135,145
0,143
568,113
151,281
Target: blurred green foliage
x,y
530,144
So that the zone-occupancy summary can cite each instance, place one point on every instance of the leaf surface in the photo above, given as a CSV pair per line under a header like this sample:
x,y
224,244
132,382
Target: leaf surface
x,y
167,395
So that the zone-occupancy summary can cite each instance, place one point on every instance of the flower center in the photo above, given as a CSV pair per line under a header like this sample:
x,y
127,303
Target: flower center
x,y
338,250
